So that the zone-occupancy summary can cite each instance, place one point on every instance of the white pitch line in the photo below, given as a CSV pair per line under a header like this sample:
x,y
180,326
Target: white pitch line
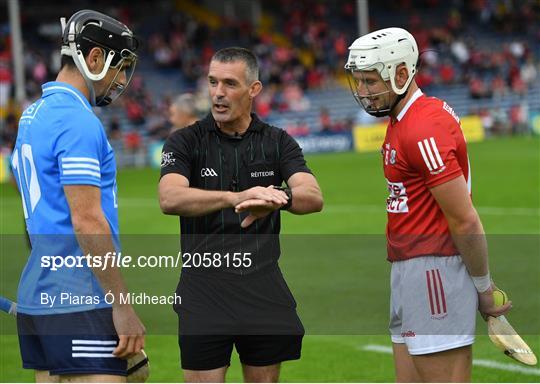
x,y
488,211
506,367
341,208
478,362
377,348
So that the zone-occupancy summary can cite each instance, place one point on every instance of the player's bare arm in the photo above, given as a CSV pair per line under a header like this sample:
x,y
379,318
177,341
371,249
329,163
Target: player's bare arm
x,y
469,237
93,234
307,195
176,197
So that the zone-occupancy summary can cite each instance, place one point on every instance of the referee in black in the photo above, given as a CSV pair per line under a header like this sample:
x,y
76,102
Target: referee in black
x,y
228,176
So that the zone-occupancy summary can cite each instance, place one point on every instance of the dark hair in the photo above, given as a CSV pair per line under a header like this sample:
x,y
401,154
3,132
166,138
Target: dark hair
x,y
67,61
231,54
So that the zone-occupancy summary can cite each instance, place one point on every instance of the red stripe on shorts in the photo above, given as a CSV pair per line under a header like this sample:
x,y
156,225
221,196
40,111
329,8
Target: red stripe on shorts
x,y
428,280
436,292
442,291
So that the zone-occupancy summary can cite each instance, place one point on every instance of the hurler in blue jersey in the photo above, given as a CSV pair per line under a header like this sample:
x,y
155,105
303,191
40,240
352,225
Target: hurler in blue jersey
x,y
66,173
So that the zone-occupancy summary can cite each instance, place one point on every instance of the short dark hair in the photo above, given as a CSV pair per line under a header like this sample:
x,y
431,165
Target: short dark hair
x,y
231,54
67,61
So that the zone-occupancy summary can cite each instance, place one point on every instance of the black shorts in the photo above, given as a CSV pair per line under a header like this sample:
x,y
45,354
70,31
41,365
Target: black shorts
x,y
200,353
256,313
71,343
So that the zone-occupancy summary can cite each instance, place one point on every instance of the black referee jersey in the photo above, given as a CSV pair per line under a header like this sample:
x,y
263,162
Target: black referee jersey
x,y
212,160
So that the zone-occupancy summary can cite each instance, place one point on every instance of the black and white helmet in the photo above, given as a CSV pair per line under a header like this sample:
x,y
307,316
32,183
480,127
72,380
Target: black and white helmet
x,y
87,29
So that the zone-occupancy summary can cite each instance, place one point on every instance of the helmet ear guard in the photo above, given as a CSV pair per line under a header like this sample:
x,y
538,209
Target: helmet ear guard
x,y
87,29
392,71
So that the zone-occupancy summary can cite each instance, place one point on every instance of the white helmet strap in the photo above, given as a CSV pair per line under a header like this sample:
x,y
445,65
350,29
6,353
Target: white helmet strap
x,y
392,71
63,24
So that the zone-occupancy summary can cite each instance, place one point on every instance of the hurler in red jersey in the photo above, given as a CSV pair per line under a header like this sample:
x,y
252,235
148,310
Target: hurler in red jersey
x,y
436,242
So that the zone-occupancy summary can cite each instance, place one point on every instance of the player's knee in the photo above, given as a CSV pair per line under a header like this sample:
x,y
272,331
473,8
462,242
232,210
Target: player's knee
x,y
45,377
267,374
453,365
207,376
97,378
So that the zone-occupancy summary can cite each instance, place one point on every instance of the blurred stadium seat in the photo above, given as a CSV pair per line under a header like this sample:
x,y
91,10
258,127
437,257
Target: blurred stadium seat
x,y
302,47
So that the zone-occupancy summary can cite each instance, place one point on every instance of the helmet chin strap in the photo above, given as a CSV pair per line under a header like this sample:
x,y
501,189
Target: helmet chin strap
x,y
89,83
378,113
387,111
105,100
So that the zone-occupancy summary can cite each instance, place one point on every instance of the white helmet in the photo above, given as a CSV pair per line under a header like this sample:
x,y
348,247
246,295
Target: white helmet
x,y
384,50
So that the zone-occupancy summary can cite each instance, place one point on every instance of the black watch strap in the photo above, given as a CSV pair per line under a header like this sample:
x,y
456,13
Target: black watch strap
x,y
289,195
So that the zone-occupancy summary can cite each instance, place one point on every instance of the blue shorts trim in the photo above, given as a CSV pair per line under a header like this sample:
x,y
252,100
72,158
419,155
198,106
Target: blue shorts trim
x,y
73,343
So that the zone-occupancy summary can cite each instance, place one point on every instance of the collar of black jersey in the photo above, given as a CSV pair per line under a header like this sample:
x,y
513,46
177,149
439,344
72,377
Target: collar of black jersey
x,y
255,126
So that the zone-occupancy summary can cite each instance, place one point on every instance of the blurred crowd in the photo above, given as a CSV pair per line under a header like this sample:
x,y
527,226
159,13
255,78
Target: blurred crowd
x,y
301,48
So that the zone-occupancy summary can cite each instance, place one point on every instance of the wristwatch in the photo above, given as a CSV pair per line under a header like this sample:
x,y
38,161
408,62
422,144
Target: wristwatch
x,y
289,195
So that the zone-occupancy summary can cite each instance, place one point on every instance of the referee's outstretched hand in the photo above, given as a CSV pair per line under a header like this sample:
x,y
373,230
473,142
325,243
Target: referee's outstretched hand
x,y
130,331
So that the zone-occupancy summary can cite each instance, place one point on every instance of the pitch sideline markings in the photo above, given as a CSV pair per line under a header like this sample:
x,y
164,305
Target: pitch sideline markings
x,y
478,362
337,208
340,208
495,211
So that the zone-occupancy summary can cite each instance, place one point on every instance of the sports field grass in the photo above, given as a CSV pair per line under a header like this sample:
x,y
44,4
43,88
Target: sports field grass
x,y
334,264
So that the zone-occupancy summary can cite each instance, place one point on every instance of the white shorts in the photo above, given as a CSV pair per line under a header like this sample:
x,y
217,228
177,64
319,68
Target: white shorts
x,y
433,304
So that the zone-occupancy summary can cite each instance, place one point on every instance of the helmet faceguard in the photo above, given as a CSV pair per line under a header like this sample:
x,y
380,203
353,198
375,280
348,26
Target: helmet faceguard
x,y
371,91
380,52
88,29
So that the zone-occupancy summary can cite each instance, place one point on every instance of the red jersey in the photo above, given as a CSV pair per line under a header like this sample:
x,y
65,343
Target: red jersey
x,y
424,147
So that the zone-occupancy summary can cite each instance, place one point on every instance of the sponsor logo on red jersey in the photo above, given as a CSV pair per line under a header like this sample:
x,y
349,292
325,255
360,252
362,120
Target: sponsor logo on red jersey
x,y
397,201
